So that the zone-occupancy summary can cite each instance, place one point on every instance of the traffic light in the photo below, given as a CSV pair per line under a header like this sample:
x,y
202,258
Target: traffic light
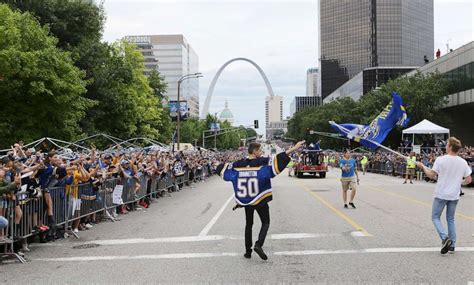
x,y
255,124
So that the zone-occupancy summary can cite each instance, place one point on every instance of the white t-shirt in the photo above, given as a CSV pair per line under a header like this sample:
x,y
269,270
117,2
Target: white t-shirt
x,y
451,171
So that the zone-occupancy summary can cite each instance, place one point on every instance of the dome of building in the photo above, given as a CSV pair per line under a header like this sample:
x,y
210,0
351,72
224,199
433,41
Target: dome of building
x,y
226,114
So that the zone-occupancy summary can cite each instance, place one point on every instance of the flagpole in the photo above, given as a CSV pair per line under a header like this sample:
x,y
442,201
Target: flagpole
x,y
375,143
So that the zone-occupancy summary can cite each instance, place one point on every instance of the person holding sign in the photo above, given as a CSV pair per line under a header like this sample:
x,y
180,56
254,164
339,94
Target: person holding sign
x,y
253,190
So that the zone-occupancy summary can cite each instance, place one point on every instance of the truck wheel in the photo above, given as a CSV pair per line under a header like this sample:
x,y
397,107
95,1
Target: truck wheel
x,y
322,174
300,174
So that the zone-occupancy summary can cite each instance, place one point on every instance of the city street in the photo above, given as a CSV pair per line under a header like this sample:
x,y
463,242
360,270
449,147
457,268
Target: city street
x,y
194,236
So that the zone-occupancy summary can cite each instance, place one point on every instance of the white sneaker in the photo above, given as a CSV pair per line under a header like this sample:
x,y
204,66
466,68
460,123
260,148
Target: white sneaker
x,y
115,215
89,226
76,231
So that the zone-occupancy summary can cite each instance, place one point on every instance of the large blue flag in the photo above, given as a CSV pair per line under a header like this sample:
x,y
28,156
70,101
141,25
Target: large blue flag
x,y
393,115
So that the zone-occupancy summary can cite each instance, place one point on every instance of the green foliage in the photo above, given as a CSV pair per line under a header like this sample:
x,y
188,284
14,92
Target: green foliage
x,y
192,130
127,105
423,96
159,86
40,87
72,22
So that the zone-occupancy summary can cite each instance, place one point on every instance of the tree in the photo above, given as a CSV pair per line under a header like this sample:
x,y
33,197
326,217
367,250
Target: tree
x,y
74,23
127,105
317,118
159,87
423,95
41,88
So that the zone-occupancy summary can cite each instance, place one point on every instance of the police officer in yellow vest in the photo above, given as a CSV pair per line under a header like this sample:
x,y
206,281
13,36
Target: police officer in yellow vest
x,y
326,160
363,163
411,167
332,161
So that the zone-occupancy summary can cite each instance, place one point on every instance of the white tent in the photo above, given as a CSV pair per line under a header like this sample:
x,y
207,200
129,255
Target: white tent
x,y
426,127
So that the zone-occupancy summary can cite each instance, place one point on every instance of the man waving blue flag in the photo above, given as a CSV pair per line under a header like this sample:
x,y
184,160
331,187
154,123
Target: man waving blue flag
x,y
371,135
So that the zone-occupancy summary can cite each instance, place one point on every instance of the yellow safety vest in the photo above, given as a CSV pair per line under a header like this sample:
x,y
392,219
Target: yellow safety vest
x,y
364,160
411,162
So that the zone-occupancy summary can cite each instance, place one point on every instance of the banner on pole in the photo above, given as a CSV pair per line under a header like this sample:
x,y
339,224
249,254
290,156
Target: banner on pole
x,y
183,106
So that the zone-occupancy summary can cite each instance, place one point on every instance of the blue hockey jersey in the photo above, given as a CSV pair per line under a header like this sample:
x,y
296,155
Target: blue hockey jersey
x,y
251,182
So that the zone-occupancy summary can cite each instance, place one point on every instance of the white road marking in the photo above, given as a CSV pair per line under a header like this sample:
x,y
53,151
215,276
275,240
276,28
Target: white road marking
x,y
214,219
202,238
131,257
358,234
370,250
300,236
234,254
156,240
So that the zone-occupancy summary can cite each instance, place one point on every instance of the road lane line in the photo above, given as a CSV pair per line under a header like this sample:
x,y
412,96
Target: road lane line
x,y
235,254
201,239
413,200
156,240
351,222
214,219
368,250
132,257
300,236
112,242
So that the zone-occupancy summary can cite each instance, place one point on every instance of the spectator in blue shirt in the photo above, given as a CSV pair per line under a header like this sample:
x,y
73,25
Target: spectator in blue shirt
x,y
348,178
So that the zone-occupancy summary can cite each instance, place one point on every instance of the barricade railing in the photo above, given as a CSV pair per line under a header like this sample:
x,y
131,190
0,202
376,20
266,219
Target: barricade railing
x,y
27,214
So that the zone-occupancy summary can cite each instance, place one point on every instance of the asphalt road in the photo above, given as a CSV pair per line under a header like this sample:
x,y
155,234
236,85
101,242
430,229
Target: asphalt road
x,y
194,237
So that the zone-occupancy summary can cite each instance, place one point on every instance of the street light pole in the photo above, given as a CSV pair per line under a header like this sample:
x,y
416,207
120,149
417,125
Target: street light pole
x,y
178,120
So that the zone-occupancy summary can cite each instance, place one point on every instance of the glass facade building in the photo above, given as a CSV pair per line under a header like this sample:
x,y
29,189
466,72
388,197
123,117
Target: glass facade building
x,y
302,102
367,80
355,35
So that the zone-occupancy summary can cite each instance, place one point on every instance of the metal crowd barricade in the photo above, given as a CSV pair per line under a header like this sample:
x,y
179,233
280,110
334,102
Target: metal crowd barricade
x,y
26,214
7,235
106,193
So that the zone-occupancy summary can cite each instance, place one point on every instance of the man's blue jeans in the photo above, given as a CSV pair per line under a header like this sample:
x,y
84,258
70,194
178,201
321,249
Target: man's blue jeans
x,y
438,207
3,223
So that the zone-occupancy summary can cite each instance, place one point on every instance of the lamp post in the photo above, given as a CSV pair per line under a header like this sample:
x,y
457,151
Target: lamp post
x,y
181,79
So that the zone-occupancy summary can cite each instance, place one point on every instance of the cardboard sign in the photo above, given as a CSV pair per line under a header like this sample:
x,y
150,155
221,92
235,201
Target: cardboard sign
x,y
117,195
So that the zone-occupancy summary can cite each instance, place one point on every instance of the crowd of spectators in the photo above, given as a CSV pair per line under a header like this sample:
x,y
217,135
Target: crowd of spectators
x,y
28,175
391,164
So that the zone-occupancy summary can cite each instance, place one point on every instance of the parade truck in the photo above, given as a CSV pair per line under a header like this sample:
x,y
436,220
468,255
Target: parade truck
x,y
311,162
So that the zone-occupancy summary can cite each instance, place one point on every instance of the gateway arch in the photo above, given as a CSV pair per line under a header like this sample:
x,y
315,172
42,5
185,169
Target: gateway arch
x,y
205,110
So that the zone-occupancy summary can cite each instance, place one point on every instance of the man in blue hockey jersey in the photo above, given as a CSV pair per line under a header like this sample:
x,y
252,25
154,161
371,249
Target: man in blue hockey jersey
x,y
253,190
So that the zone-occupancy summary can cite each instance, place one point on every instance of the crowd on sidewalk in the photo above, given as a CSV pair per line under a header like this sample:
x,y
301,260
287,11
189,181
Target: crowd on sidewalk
x,y
35,186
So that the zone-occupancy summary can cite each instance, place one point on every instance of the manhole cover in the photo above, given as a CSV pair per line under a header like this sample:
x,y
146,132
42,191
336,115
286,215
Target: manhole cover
x,y
320,190
85,246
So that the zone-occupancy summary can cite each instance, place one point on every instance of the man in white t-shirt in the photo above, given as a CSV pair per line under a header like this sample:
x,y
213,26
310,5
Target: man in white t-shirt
x,y
451,171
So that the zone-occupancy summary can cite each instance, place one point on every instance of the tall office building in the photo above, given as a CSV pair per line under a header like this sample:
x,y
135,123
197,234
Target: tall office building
x,y
355,35
273,109
300,103
173,57
312,82
273,114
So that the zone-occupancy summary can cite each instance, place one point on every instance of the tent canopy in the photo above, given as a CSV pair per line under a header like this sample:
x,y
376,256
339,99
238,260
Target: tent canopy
x,y
426,127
